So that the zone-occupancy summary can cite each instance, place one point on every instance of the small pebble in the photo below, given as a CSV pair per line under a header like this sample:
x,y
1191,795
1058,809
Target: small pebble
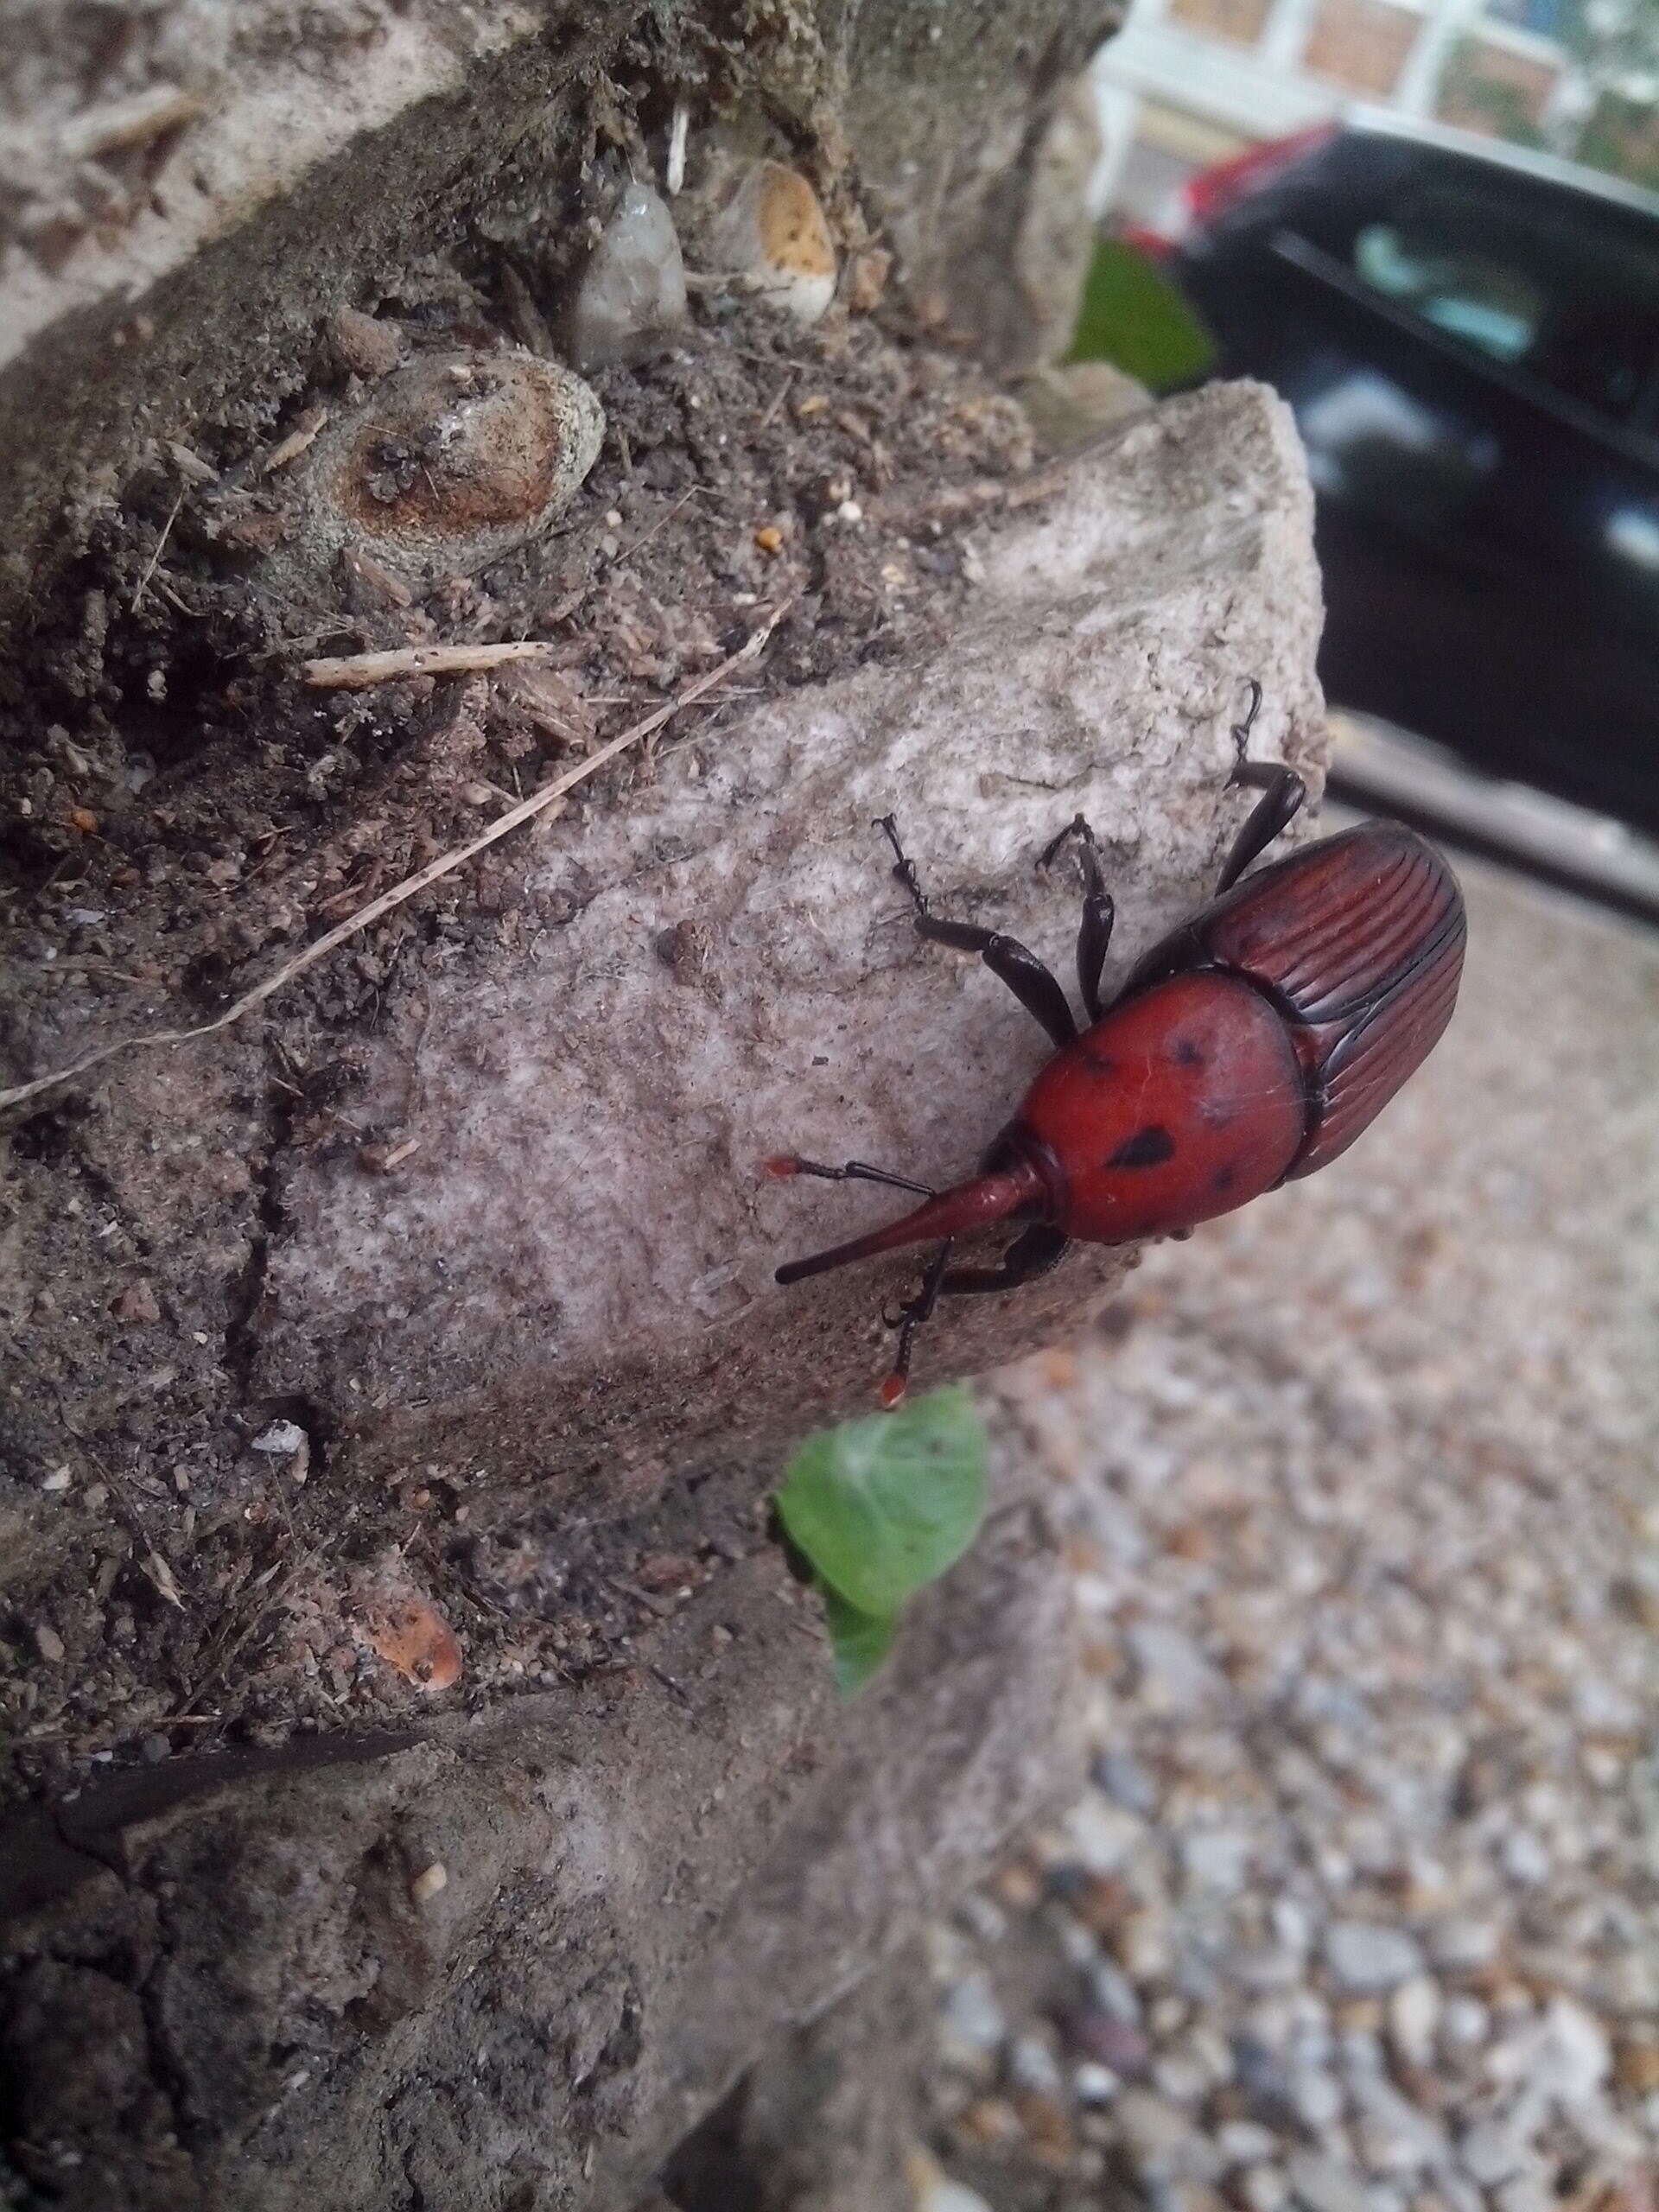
x,y
1413,2016
1324,2184
139,1304
364,345
49,1642
1033,2065
1126,1782
1363,1957
1261,2189
428,1882
772,234
281,1439
1458,1946
946,2195
631,299
1243,2143
1093,2084
1490,2153
974,2021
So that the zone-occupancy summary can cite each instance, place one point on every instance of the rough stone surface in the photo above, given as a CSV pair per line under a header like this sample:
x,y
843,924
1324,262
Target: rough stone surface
x,y
194,201
586,1197
255,1998
312,156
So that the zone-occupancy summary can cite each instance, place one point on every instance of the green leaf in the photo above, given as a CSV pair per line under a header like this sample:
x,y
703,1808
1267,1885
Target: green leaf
x,y
861,1641
881,1506
1133,315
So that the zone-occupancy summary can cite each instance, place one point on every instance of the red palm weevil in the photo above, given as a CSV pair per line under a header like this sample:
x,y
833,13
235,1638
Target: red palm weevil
x,y
1251,1047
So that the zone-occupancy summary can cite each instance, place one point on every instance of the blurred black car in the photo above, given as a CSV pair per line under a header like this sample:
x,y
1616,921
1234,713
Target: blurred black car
x,y
1469,337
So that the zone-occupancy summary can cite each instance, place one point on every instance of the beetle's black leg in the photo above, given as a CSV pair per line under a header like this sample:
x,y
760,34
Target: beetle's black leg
x,y
1021,970
1031,1254
1282,792
855,1171
1095,931
910,1318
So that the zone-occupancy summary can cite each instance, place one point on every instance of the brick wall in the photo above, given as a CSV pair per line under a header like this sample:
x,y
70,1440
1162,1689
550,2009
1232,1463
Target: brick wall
x,y
1362,43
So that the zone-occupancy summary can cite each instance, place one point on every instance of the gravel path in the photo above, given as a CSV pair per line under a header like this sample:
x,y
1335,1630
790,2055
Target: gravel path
x,y
1362,1914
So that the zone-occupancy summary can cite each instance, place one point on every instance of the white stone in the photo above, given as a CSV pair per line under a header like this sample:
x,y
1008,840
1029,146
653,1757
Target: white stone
x,y
1576,2055
943,2195
1216,1858
1366,1959
1102,1835
1162,2137
1180,2078
1093,2084
972,2017
1325,2184
1465,2022
1244,2142
1490,2152
1032,2065
1525,1859
1459,1945
1394,2136
1263,2189
1527,2192
1413,2016
1316,2097
281,1439
632,294
1175,1676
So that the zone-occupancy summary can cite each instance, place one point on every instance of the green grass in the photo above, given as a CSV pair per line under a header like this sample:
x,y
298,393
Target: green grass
x,y
1135,317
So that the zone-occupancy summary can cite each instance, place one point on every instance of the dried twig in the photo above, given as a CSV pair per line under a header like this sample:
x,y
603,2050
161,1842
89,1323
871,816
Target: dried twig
x,y
154,561
674,175
539,802
361,671
529,323
303,434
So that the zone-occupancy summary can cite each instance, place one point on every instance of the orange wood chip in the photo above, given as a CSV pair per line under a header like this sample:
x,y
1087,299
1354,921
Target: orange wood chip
x,y
412,1635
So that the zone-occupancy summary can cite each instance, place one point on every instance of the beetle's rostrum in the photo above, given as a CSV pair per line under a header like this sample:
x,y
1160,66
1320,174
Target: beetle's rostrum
x,y
1251,1047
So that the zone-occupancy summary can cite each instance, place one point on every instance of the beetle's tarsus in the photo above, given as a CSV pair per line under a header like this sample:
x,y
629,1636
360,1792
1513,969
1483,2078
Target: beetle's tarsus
x,y
1242,730
1077,827
1282,793
1094,929
904,867
1007,958
910,1317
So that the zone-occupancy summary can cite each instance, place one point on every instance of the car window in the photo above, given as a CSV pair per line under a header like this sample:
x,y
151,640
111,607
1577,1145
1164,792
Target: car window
x,y
1579,312
1470,293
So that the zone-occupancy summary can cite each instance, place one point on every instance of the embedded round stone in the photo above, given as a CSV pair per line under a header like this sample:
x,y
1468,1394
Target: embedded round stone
x,y
445,467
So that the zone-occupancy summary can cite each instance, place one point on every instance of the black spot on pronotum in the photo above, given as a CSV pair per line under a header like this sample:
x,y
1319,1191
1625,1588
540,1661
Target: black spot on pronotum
x,y
1147,1147
1185,1053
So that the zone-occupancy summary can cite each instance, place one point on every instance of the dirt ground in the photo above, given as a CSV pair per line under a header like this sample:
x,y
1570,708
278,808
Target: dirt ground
x,y
180,812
